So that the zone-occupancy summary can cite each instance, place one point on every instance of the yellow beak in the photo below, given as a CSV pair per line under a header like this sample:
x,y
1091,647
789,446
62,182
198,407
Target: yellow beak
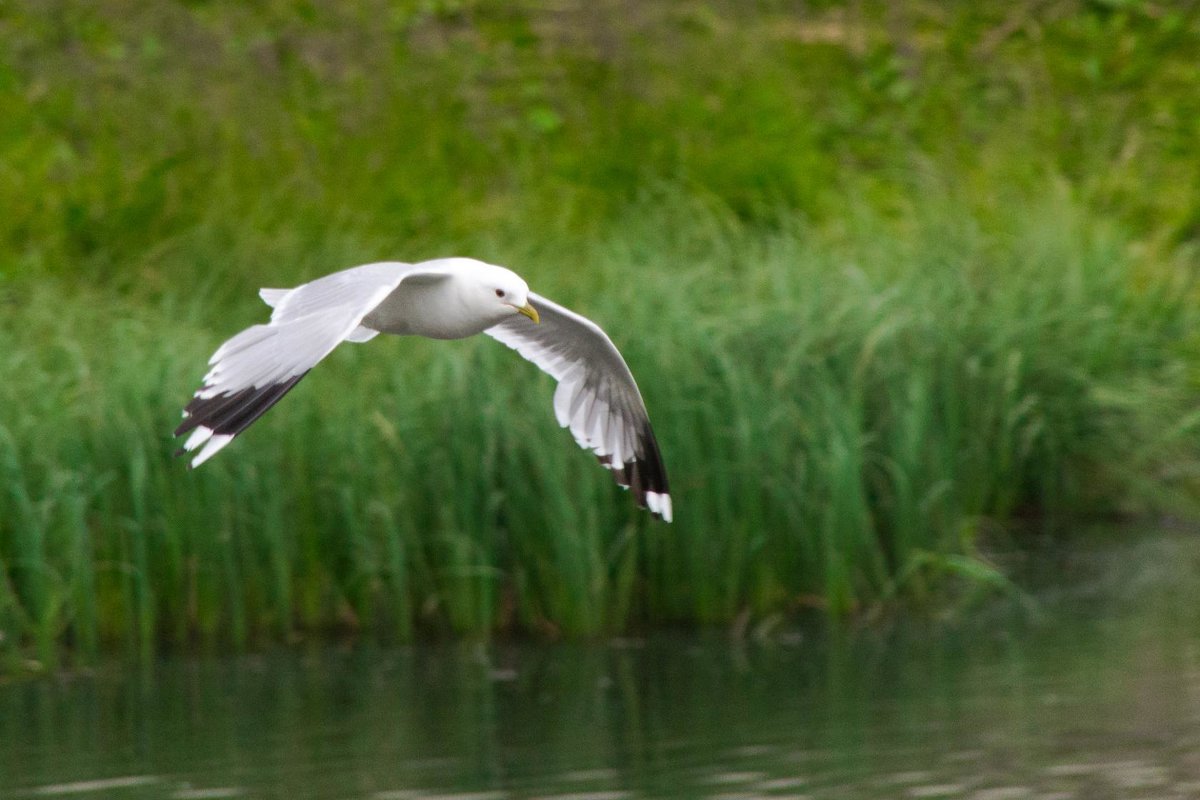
x,y
531,312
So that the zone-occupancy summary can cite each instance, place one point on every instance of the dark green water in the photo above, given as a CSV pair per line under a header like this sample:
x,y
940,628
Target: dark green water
x,y
1098,696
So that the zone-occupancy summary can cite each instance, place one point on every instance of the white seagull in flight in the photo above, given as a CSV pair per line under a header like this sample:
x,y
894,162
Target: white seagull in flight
x,y
449,298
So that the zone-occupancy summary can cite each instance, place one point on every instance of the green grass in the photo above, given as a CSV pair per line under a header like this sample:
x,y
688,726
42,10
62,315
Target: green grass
x,y
841,420
134,142
891,277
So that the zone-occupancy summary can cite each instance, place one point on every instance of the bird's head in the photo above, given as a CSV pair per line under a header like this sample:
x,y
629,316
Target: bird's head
x,y
507,289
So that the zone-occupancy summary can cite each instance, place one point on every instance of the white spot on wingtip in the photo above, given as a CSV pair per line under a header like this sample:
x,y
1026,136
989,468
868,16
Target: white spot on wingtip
x,y
659,504
199,436
211,448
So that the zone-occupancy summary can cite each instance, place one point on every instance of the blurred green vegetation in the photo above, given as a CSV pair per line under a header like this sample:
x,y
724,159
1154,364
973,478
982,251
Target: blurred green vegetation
x,y
134,135
891,275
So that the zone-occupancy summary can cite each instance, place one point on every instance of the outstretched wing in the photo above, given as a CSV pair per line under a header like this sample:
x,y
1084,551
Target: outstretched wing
x,y
596,398
257,367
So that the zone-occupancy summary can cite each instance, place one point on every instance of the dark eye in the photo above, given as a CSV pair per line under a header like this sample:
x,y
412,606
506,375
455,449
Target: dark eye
x,y
499,293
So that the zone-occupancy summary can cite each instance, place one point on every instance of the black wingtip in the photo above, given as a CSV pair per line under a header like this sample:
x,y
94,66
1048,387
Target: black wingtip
x,y
645,476
231,413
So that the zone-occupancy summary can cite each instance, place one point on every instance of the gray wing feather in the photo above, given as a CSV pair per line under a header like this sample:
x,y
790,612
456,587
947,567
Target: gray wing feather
x,y
350,288
597,398
254,369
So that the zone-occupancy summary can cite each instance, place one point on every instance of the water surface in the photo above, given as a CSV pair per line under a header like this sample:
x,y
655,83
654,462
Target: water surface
x,y
1095,695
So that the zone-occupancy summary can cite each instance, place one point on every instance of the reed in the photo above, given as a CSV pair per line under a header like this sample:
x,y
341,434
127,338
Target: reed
x,y
843,418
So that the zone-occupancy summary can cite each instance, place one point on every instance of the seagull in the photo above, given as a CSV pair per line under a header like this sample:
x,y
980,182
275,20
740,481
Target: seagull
x,y
448,298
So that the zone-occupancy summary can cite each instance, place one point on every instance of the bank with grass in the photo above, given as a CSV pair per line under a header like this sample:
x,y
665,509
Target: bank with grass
x,y
894,284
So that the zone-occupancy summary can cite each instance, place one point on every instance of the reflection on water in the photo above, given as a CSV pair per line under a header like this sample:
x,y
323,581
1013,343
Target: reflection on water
x,y
1099,699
